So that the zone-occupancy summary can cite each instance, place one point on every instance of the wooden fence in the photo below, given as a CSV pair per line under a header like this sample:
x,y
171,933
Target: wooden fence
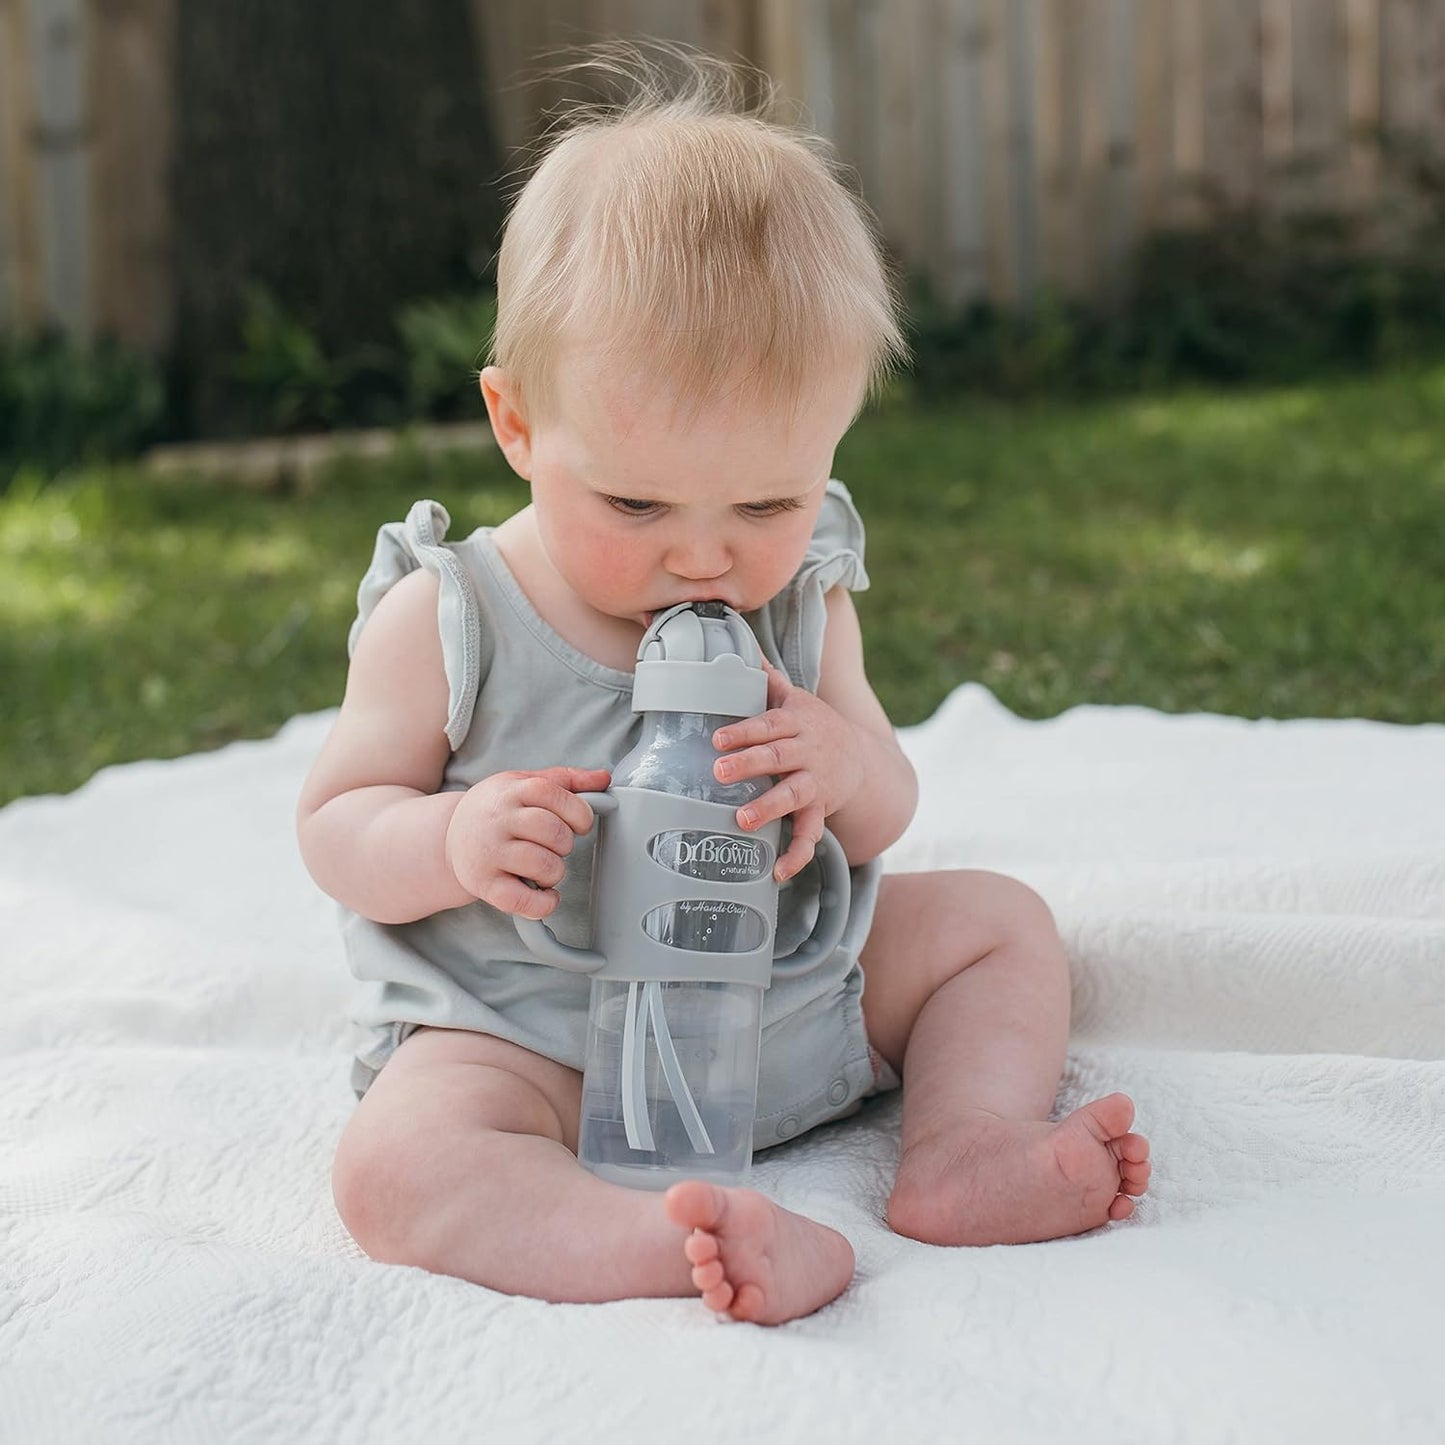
x,y
85,147
1009,145
1006,145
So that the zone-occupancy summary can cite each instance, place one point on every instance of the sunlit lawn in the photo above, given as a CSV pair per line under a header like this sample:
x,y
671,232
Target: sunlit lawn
x,y
1269,554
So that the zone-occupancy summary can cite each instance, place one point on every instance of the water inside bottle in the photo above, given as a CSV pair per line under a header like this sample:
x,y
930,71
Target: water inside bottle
x,y
713,1028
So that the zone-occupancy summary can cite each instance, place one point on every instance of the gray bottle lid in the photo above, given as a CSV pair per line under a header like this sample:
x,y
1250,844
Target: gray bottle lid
x,y
700,657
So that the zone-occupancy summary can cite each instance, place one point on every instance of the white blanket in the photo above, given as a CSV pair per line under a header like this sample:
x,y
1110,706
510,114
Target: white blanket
x,y
1255,914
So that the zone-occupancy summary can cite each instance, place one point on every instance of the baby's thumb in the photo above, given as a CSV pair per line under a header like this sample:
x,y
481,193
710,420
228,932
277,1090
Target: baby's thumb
x,y
579,780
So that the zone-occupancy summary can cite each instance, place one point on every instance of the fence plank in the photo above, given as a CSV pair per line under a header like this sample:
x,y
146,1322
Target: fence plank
x,y
679,20
1154,112
782,45
498,29
998,176
869,155
1319,134
1091,215
819,69
1234,103
727,29
9,175
841,37
1403,95
962,43
1187,39
897,182
1433,60
926,150
1117,192
1276,78
130,104
544,25
1362,97
1058,117
1022,32
58,143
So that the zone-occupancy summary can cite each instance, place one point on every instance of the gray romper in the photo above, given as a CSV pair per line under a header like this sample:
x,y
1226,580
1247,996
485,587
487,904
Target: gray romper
x,y
521,697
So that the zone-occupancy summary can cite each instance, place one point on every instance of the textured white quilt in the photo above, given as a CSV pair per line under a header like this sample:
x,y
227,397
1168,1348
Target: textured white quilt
x,y
1256,918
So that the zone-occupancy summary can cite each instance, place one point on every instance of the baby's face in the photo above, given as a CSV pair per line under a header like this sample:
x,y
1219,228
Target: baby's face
x,y
640,507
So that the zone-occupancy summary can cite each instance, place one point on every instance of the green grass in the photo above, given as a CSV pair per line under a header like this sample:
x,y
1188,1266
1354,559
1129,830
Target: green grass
x,y
1277,553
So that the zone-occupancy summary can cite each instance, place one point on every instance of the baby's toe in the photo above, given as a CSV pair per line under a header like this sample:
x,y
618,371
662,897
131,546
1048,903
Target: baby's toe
x,y
1110,1116
700,1247
1121,1208
695,1204
718,1298
708,1276
1134,1148
1134,1178
748,1305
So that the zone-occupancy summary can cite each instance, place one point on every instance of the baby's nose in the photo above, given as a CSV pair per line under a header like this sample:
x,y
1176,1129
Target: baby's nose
x,y
699,559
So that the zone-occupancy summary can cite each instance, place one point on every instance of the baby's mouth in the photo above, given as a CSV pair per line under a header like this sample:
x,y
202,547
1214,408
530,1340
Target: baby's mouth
x,y
648,618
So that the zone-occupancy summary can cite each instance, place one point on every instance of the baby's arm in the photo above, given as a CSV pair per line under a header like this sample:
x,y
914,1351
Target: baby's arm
x,y
876,815
834,754
374,832
371,825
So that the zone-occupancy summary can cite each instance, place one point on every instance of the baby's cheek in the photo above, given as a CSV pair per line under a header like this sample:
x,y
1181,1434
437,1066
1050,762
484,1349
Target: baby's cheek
x,y
608,576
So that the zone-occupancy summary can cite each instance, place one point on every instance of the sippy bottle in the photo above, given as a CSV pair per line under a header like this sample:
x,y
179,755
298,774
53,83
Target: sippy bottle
x,y
684,907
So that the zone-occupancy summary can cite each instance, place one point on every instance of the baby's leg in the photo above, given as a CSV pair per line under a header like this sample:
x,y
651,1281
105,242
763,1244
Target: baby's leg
x,y
460,1160
967,996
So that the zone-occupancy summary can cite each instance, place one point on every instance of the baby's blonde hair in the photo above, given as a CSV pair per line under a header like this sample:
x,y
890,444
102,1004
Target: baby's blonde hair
x,y
685,230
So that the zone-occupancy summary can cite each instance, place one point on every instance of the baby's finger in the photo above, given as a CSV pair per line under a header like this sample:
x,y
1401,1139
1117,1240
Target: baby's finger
x,y
807,830
530,862
749,731
578,780
542,825
543,793
779,684
765,761
514,895
795,791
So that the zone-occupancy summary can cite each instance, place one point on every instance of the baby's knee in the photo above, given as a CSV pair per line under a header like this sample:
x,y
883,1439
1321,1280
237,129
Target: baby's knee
x,y
373,1187
385,1181
424,1143
1016,913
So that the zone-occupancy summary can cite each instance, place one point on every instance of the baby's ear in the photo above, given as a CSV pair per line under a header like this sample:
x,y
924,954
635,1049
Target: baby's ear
x,y
509,424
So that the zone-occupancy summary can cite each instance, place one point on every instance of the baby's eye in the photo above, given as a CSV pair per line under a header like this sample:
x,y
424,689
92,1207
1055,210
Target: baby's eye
x,y
770,509
631,506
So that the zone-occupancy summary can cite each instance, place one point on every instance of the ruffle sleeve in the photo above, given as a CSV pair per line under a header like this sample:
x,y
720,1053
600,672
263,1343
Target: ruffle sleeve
x,y
790,628
403,547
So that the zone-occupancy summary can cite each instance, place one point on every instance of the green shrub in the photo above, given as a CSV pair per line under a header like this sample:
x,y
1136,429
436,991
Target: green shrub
x,y
290,384
1242,298
445,341
62,405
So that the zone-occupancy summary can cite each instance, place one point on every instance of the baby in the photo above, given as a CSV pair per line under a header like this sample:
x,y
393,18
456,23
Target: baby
x,y
693,309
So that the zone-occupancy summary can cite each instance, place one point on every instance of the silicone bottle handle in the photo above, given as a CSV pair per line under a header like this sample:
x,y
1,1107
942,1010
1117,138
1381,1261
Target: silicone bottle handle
x,y
837,891
542,941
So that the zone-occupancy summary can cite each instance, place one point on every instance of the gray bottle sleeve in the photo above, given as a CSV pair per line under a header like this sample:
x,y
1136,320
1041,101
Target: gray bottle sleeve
x,y
651,839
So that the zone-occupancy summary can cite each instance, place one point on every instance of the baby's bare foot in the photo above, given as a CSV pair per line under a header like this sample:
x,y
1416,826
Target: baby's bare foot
x,y
754,1259
1012,1181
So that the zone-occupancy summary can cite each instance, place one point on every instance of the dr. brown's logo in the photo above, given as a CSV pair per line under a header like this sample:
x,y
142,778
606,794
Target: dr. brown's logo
x,y
720,857
738,853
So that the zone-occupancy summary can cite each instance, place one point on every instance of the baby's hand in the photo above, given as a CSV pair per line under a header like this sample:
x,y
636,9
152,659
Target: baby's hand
x,y
514,829
809,747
